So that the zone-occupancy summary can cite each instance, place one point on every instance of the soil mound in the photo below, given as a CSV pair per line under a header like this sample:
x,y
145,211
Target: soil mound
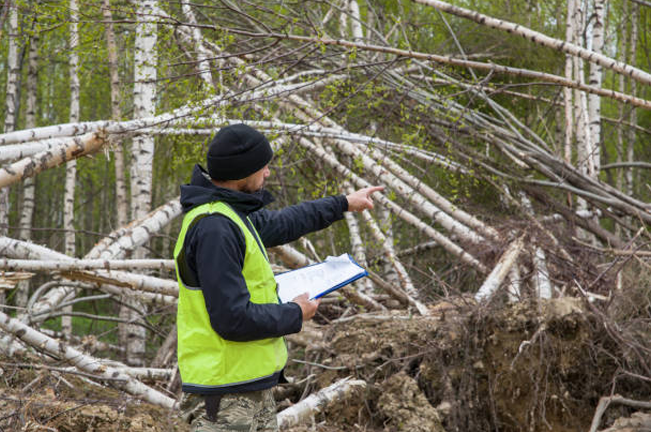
x,y
535,366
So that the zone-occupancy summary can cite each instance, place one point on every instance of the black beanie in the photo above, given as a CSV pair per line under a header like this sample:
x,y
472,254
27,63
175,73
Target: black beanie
x,y
236,152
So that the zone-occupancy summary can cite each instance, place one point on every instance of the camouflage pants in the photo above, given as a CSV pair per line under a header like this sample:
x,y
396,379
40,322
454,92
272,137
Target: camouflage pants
x,y
250,412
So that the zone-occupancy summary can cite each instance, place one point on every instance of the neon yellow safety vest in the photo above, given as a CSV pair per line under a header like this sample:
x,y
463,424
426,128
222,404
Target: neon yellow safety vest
x,y
206,360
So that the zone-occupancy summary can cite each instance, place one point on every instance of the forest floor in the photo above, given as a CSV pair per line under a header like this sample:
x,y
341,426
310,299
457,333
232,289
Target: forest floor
x,y
537,366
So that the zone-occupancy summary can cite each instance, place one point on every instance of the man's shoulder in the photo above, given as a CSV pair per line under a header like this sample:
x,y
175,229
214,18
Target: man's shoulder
x,y
214,224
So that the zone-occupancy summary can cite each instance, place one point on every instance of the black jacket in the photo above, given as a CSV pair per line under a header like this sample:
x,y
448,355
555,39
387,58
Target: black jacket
x,y
215,247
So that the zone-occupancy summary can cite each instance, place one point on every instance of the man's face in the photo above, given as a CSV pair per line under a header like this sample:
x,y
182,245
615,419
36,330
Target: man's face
x,y
255,181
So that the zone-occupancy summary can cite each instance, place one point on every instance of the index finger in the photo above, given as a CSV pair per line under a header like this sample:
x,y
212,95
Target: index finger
x,y
374,189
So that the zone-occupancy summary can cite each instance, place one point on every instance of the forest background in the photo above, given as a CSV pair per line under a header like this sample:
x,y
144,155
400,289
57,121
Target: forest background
x,y
511,137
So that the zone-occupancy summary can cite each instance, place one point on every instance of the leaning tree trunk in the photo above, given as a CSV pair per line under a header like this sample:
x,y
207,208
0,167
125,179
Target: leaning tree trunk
x,y
142,155
71,166
542,39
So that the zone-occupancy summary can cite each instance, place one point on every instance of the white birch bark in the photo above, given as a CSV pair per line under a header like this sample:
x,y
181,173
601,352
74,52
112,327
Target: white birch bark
x,y
305,410
85,264
291,257
357,248
397,184
144,106
133,281
542,283
622,53
389,254
84,362
355,21
567,91
363,289
144,98
10,107
544,40
307,130
122,209
71,166
513,289
390,273
13,152
595,79
138,232
343,20
72,148
630,149
300,104
501,270
88,344
27,210
585,161
135,235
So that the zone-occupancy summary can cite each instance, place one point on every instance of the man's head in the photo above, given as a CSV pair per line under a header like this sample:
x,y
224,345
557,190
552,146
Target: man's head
x,y
238,152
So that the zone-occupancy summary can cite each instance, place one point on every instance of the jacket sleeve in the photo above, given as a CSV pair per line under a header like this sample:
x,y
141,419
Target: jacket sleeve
x,y
290,223
215,249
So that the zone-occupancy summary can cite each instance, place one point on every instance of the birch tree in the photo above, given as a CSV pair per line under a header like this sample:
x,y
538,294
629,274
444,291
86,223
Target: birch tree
x,y
144,98
595,79
630,148
11,101
120,181
29,189
71,166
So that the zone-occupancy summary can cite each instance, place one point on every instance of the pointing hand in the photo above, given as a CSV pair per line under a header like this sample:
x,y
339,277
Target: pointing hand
x,y
361,199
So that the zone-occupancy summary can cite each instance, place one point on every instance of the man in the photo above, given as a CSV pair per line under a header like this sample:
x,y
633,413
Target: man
x,y
231,350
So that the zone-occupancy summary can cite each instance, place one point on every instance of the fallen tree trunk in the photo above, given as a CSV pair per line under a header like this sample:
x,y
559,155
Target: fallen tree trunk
x,y
84,264
489,67
304,410
83,362
501,270
542,39
137,233
71,149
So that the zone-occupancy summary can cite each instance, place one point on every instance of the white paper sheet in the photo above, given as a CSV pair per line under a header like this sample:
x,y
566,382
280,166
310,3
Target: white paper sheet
x,y
318,279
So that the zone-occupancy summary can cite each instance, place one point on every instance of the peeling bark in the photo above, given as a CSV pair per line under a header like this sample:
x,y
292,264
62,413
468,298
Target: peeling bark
x,y
72,148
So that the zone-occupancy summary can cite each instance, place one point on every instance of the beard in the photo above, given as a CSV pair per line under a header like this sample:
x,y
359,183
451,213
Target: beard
x,y
252,188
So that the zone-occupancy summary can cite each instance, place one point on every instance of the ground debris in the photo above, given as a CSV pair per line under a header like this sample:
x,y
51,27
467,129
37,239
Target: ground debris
x,y
38,400
638,422
406,406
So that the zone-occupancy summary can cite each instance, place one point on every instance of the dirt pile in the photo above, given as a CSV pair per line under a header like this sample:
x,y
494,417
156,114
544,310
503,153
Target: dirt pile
x,y
535,366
